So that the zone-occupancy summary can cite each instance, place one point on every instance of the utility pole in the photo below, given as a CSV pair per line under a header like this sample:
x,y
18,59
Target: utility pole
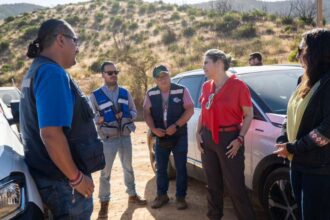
x,y
319,18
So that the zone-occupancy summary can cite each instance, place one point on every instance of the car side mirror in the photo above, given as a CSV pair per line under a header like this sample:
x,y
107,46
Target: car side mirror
x,y
14,106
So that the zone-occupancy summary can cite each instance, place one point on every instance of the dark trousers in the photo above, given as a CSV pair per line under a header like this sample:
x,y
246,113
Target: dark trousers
x,y
180,158
312,193
222,171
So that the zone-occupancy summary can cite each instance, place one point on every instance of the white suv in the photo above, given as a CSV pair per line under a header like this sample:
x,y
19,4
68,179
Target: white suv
x,y
19,197
265,174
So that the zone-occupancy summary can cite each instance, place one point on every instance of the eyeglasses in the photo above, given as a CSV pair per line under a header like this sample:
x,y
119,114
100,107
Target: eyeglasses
x,y
209,101
74,39
110,73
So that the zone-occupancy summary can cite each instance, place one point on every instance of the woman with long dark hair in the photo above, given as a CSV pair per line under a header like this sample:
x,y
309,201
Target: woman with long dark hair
x,y
225,118
306,133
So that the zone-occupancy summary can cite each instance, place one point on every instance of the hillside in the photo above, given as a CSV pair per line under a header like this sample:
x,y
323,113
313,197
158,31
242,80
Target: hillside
x,y
16,9
280,7
139,35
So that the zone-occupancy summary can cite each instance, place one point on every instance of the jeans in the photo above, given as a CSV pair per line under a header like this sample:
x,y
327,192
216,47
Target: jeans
x,y
180,158
123,145
57,196
312,193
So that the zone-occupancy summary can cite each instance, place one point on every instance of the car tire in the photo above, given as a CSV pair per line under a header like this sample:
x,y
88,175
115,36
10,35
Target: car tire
x,y
151,144
278,197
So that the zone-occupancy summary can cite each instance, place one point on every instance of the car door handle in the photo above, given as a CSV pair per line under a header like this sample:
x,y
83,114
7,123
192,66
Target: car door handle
x,y
257,129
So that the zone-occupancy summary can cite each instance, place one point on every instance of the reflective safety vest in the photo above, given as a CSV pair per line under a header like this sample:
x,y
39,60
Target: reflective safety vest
x,y
175,107
112,126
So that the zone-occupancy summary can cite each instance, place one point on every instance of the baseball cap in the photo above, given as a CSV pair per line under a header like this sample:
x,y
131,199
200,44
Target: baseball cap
x,y
158,70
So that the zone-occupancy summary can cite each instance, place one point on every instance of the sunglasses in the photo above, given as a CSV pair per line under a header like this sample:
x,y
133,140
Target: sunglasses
x,y
209,101
74,39
110,73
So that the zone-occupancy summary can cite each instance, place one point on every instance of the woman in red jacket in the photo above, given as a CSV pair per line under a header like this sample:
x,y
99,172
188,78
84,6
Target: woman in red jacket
x,y
225,118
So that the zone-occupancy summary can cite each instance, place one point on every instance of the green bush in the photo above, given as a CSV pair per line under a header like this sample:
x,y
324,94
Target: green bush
x,y
96,65
99,17
269,31
150,24
175,16
115,8
183,7
189,32
142,10
19,64
30,33
73,20
246,31
229,23
151,8
232,20
21,23
155,32
133,26
286,20
293,55
6,68
258,13
248,17
168,36
184,23
9,19
4,45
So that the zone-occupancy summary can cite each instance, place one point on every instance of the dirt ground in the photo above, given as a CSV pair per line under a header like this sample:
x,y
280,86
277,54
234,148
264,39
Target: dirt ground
x,y
146,187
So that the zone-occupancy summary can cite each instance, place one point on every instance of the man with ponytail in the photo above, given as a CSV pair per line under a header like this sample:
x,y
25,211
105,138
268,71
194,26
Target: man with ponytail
x,y
59,137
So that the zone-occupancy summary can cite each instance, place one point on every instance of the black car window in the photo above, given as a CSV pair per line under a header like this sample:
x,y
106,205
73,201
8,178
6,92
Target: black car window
x,y
273,88
193,84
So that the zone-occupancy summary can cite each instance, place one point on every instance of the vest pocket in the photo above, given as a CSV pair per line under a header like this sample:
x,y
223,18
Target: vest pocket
x,y
109,130
128,126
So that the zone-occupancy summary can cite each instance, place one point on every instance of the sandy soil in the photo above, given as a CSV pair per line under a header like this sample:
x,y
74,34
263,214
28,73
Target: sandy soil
x,y
146,187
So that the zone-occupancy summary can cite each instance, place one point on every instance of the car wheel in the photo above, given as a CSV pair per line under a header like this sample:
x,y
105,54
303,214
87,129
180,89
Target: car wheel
x,y
153,163
278,197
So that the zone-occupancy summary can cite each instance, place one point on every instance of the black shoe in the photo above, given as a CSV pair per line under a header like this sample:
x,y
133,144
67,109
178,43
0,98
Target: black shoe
x,y
181,203
160,201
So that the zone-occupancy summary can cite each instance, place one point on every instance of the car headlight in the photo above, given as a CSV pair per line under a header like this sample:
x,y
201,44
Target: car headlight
x,y
12,195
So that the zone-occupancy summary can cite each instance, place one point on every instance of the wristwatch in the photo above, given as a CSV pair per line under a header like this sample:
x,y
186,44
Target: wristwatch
x,y
177,127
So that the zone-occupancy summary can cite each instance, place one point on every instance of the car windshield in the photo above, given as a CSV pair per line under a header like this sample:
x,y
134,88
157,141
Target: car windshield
x,y
8,95
274,88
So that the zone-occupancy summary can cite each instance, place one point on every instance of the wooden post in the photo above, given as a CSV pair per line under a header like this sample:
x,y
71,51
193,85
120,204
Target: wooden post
x,y
319,18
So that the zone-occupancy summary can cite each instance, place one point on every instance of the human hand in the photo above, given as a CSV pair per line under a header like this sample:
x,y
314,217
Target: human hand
x,y
85,187
119,115
199,141
234,147
100,120
159,132
171,129
281,150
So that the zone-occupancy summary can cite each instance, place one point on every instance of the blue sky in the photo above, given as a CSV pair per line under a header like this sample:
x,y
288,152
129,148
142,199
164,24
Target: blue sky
x,y
50,3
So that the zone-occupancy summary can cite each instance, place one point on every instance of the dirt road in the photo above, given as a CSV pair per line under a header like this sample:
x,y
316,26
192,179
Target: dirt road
x,y
146,187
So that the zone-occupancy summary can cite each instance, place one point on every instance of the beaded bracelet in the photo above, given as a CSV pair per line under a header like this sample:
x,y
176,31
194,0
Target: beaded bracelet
x,y
77,181
240,140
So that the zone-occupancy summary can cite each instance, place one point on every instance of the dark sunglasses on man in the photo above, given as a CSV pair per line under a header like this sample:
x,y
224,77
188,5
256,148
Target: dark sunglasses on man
x,y
110,73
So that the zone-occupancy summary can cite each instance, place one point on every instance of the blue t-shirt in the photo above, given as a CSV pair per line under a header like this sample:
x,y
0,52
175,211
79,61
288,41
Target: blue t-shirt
x,y
54,97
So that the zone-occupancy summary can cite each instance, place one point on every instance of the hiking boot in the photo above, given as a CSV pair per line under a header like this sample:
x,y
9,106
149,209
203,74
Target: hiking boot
x,y
136,199
181,203
160,201
103,213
